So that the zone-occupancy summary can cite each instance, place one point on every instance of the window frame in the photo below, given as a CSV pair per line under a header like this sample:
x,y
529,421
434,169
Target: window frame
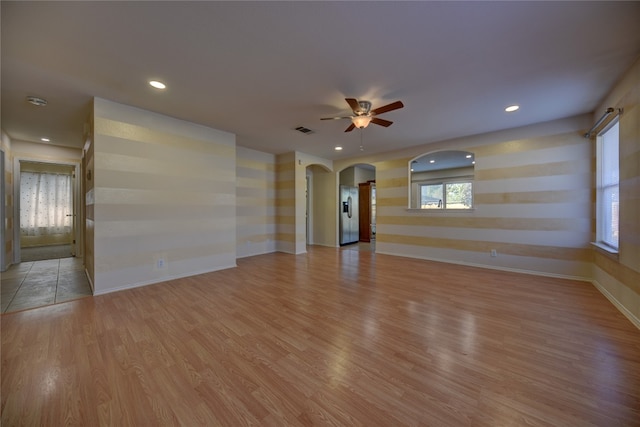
x,y
444,182
604,211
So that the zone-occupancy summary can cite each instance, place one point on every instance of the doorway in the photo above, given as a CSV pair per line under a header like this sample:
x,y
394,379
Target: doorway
x,y
46,211
357,206
29,284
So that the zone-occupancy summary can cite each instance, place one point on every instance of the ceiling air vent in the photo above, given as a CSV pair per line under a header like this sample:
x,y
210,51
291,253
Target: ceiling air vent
x,y
40,102
304,130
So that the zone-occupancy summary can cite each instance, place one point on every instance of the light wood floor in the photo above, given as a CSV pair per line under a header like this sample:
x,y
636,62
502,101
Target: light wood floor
x,y
334,337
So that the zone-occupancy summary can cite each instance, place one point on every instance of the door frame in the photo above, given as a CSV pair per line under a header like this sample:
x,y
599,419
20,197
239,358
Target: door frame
x,y
3,213
77,230
309,206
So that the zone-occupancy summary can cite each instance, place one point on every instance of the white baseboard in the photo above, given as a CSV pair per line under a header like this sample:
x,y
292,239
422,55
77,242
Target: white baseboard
x,y
629,315
255,254
494,267
160,280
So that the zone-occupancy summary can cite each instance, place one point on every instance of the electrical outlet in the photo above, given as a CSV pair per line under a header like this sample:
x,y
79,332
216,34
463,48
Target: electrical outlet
x,y
494,253
160,262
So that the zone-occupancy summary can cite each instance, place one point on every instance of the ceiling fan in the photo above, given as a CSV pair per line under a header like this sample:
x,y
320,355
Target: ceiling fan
x,y
363,114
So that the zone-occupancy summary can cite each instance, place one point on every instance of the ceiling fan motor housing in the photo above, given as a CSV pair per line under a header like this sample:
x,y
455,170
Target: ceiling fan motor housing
x,y
365,107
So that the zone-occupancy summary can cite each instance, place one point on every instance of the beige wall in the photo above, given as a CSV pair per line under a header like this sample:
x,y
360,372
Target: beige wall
x,y
255,202
165,197
354,175
45,152
362,175
618,277
324,215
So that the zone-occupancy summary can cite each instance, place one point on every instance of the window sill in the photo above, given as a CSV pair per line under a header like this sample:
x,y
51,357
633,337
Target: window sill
x,y
441,210
605,249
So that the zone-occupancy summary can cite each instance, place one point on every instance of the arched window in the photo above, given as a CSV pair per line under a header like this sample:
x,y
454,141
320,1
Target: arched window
x,y
442,180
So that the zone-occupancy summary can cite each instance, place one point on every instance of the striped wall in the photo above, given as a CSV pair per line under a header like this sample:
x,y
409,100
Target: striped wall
x,y
291,199
164,197
532,196
286,202
5,144
618,276
255,202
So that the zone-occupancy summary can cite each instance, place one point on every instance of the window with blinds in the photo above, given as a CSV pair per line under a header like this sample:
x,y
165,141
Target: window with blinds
x,y
607,190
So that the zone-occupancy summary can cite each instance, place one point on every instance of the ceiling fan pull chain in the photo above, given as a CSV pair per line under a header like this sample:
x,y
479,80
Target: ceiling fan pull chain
x,y
361,143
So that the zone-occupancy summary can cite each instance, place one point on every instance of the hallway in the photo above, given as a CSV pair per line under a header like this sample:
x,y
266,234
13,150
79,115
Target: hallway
x,y
40,283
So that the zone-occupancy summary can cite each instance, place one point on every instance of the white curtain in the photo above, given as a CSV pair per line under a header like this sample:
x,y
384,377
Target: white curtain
x,y
45,202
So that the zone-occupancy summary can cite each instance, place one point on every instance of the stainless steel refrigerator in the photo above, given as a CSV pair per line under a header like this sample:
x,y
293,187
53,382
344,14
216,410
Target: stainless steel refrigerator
x,y
348,215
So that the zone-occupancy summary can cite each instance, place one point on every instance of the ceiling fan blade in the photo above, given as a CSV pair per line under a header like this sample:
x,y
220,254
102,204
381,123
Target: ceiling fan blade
x,y
381,122
335,118
388,107
350,128
354,104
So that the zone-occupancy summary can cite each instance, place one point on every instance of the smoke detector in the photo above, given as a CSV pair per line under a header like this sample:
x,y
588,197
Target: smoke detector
x,y
40,102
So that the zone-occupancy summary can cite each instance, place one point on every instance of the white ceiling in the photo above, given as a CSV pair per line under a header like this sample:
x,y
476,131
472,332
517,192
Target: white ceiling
x,y
261,69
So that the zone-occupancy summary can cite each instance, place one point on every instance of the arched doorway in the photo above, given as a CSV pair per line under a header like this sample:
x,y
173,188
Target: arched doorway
x,y
357,205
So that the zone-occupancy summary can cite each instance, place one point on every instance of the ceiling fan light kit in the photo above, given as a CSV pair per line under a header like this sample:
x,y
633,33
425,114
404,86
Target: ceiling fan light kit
x,y
361,122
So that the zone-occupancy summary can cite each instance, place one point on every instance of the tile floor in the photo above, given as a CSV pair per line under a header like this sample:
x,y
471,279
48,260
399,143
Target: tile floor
x,y
39,283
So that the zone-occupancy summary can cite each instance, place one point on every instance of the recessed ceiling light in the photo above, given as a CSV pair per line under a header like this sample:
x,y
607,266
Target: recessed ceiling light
x,y
512,108
432,161
40,102
45,139
468,156
473,163
157,84
338,148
